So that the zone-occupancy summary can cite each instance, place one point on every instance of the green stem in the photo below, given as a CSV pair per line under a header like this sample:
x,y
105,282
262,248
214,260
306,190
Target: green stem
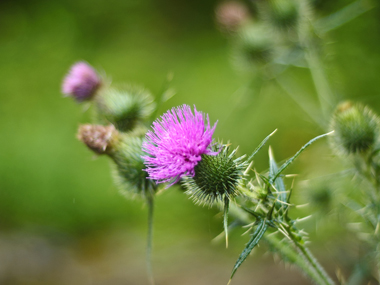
x,y
305,261
309,258
300,101
225,218
292,256
322,86
150,202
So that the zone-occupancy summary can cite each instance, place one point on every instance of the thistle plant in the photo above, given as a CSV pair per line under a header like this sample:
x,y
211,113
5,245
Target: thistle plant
x,y
357,142
298,42
179,148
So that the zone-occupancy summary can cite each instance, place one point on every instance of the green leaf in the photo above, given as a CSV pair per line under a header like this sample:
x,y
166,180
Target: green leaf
x,y
290,160
278,182
343,16
260,146
256,237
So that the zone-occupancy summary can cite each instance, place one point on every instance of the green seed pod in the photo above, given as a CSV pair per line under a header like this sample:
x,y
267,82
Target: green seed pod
x,y
125,109
356,128
216,178
129,174
253,47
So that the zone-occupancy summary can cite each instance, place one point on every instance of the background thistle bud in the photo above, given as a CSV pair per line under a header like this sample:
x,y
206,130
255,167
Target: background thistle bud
x,y
125,109
253,47
231,15
356,128
129,174
98,138
81,82
283,14
216,177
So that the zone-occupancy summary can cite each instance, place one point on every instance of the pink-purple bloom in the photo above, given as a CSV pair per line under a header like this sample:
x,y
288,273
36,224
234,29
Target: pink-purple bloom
x,y
176,144
81,82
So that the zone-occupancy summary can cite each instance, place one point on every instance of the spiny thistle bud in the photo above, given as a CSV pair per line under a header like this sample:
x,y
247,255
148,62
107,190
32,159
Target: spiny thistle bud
x,y
98,138
231,15
124,109
216,177
283,14
253,48
176,144
356,128
129,174
81,82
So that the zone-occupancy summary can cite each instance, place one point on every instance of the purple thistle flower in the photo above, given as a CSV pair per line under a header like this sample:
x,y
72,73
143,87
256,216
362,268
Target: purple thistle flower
x,y
81,82
176,144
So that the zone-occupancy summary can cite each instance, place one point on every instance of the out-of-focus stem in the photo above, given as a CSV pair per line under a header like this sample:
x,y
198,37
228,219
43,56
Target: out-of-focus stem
x,y
285,86
150,202
311,260
322,86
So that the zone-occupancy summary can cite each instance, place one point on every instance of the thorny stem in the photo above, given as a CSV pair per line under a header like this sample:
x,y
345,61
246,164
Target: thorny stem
x,y
308,257
305,261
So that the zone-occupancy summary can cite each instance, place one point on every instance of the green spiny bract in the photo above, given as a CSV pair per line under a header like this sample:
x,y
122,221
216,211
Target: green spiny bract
x,y
129,174
216,177
356,128
125,109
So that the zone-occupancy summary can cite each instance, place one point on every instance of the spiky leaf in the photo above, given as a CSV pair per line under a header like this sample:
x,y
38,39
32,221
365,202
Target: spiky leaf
x,y
256,237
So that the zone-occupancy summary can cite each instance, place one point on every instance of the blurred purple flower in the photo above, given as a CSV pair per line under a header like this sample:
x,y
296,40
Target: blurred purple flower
x,y
81,82
176,144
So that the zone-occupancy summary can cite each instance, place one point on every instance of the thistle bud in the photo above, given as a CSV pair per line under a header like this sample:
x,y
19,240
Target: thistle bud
x,y
81,82
356,128
129,174
283,14
216,178
231,15
125,109
98,138
253,47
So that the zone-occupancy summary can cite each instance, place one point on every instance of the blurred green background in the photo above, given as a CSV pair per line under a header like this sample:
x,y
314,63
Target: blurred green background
x,y
62,221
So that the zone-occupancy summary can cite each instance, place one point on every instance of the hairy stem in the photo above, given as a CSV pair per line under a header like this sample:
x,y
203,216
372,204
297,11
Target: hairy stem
x,y
309,258
304,261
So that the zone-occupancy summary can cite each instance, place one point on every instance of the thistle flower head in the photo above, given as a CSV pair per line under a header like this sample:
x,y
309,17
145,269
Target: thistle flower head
x,y
356,128
98,138
81,82
216,177
177,143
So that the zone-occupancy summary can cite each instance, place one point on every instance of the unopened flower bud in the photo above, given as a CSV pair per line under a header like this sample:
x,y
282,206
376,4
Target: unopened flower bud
x,y
356,128
283,13
98,138
216,178
253,48
129,174
81,82
231,15
124,109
